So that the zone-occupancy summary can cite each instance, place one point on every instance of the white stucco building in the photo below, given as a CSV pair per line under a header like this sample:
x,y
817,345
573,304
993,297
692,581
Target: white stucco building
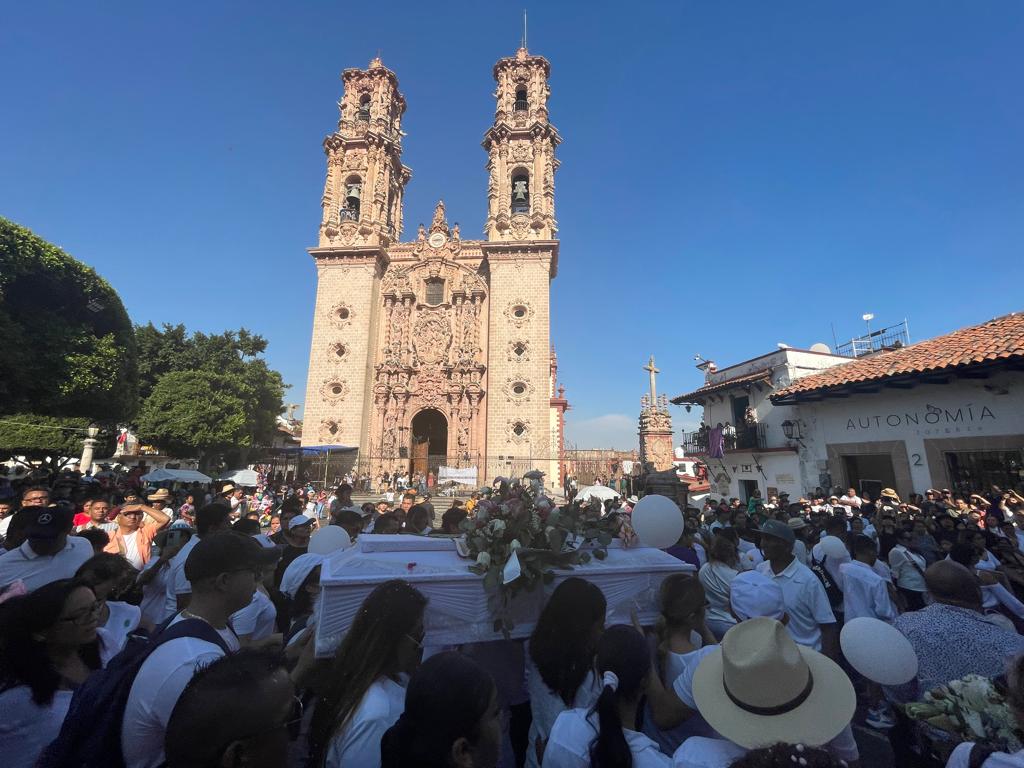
x,y
759,456
944,413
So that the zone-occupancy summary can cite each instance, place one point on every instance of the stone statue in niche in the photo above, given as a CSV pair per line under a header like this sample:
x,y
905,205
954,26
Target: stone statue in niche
x,y
421,233
464,431
390,446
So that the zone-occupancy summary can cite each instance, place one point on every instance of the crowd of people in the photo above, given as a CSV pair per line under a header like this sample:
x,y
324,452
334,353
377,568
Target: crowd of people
x,y
150,628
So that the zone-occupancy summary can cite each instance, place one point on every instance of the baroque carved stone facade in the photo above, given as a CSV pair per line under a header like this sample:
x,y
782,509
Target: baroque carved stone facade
x,y
436,350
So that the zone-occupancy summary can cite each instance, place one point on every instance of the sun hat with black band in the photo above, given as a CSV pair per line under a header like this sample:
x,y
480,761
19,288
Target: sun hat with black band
x,y
225,552
759,688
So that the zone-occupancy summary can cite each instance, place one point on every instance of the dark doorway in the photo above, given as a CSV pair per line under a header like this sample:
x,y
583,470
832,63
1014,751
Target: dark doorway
x,y
747,488
870,473
429,440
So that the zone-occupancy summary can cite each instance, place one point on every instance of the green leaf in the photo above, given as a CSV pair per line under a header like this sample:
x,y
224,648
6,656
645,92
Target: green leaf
x,y
600,554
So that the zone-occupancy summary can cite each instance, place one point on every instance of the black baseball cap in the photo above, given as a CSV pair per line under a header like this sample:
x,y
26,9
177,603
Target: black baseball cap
x,y
48,522
227,551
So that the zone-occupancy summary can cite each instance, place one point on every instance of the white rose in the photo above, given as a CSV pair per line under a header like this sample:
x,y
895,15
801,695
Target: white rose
x,y
514,545
484,559
497,525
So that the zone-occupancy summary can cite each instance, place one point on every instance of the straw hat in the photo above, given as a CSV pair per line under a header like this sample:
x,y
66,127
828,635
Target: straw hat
x,y
759,687
861,640
161,494
891,494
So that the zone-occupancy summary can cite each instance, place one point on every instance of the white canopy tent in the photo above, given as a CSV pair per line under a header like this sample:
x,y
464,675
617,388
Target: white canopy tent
x,y
177,475
246,477
599,492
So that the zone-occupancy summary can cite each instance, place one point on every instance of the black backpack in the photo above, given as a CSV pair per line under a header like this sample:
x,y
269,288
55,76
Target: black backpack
x,y
91,734
832,590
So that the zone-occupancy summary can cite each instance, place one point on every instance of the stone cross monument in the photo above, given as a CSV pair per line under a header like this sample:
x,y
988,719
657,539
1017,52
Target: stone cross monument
x,y
656,446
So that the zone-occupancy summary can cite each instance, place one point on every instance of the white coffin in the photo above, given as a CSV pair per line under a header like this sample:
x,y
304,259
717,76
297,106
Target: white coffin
x,y
458,610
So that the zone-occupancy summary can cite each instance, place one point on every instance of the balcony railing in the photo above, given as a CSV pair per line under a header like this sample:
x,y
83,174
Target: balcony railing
x,y
521,105
743,439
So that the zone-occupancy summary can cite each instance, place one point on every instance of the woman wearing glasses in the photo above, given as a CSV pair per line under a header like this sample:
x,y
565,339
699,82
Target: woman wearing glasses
x,y
48,648
365,691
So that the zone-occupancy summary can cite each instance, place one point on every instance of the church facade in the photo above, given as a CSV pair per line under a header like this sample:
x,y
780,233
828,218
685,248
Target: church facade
x,y
436,352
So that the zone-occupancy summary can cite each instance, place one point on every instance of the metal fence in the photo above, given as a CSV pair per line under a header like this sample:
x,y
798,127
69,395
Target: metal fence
x,y
746,438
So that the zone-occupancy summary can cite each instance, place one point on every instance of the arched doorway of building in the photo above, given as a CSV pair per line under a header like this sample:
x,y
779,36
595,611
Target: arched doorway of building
x,y
429,440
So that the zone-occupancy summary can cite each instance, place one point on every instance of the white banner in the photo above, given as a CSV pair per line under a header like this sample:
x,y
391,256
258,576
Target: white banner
x,y
463,475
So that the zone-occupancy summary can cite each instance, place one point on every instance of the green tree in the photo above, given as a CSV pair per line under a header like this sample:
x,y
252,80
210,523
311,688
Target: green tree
x,y
67,347
47,437
196,412
233,355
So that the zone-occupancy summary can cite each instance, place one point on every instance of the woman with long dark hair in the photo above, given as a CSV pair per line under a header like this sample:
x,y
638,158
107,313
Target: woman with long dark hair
x,y
110,576
451,718
560,669
48,648
603,736
365,691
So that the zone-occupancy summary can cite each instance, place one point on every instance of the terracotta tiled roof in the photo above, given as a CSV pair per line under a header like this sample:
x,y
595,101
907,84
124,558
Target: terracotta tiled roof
x,y
996,340
749,378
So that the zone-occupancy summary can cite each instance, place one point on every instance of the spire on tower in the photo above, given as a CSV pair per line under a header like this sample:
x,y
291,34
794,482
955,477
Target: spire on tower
x,y
523,46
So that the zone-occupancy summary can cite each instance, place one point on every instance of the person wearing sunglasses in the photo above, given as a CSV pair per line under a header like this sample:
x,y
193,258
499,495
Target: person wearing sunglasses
x,y
132,537
365,691
255,687
48,647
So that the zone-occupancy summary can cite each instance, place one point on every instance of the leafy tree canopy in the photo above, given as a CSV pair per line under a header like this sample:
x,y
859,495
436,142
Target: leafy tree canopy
x,y
38,437
232,358
196,411
67,346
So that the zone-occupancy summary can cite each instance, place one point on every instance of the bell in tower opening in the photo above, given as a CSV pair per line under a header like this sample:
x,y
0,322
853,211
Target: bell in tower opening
x,y
363,115
353,193
520,193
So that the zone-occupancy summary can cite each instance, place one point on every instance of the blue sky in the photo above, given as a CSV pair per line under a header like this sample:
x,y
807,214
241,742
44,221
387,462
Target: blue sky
x,y
733,174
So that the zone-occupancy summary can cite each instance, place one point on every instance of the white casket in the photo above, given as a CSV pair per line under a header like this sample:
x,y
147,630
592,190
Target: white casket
x,y
458,610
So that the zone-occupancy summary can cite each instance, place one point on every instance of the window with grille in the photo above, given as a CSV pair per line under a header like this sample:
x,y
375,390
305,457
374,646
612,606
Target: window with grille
x,y
435,291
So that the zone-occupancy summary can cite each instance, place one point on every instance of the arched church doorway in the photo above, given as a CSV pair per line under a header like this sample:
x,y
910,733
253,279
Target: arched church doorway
x,y
429,440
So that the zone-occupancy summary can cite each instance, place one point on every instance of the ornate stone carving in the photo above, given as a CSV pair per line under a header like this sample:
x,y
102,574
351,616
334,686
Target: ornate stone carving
x,y
518,351
334,390
517,390
518,312
430,387
518,431
397,282
432,337
337,352
342,314
328,430
439,222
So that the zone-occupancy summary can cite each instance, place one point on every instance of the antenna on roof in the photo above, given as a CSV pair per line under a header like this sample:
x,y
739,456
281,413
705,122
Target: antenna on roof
x,y
523,46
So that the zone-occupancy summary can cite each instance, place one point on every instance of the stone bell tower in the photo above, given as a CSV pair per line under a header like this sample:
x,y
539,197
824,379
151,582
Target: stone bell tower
x,y
522,259
362,217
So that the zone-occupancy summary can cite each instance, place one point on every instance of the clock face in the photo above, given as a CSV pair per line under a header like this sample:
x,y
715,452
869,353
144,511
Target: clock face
x,y
436,240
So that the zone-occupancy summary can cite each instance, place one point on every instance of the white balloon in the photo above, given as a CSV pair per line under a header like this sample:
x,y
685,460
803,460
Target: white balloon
x,y
329,539
658,521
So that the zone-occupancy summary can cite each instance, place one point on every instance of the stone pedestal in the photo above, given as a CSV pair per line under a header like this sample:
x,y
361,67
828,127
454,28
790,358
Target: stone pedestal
x,y
657,451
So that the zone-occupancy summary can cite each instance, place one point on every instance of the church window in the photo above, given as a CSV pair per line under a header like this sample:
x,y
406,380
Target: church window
x,y
336,389
519,312
518,429
522,104
363,114
435,291
343,313
519,388
519,349
520,192
340,350
353,194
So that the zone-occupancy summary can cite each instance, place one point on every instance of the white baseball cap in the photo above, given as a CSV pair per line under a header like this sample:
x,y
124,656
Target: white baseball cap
x,y
298,520
753,595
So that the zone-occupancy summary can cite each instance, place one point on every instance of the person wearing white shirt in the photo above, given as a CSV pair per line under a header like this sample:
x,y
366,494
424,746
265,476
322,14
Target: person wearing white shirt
x,y
108,575
221,569
851,500
365,693
716,575
210,519
811,620
47,554
623,662
908,567
865,590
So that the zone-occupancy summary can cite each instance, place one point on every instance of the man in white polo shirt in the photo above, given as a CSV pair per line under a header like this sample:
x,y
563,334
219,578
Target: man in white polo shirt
x,y
811,620
210,519
48,554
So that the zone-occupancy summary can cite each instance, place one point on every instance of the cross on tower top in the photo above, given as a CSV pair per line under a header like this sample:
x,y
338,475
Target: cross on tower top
x,y
653,373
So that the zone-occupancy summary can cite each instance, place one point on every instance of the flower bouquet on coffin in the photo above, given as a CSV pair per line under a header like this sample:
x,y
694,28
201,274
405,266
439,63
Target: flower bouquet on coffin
x,y
518,538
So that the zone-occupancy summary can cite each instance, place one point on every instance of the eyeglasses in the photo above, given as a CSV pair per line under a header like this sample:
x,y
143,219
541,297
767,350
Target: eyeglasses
x,y
84,616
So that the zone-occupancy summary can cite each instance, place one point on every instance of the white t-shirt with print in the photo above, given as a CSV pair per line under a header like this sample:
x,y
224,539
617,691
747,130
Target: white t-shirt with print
x,y
157,688
123,618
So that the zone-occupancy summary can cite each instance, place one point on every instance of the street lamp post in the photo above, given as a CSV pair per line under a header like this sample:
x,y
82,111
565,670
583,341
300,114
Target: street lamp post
x,y
88,448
